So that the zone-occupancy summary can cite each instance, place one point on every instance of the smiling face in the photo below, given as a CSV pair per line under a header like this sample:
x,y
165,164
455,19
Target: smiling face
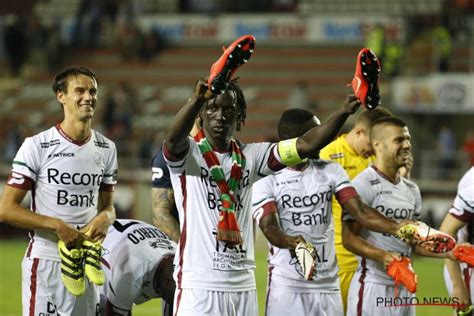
x,y
219,118
395,146
80,97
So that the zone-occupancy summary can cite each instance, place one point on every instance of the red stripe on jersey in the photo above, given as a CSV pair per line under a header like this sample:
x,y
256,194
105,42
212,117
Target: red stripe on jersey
x,y
268,208
344,195
270,269
30,245
106,187
465,216
170,157
34,269
178,300
19,181
105,263
273,163
467,279
182,238
361,289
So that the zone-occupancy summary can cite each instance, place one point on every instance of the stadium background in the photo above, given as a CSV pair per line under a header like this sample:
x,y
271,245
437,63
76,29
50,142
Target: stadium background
x,y
147,55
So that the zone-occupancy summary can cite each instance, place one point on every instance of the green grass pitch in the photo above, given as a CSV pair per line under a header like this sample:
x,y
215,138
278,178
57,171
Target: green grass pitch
x,y
430,282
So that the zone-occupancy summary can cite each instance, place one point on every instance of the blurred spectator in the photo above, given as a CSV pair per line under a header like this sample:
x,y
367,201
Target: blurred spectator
x,y
468,146
151,45
119,110
442,48
130,40
375,40
446,151
300,97
13,142
16,44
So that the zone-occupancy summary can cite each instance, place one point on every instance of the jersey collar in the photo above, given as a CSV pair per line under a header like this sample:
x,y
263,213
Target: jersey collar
x,y
69,139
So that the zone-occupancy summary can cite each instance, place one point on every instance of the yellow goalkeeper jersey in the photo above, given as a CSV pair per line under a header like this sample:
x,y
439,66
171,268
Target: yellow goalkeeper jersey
x,y
342,153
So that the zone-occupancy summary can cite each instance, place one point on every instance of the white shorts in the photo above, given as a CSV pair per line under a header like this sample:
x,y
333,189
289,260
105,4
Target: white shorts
x,y
368,299
43,292
283,302
468,277
193,302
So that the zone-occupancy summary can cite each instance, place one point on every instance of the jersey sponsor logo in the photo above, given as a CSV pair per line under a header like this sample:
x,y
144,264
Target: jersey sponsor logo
x,y
16,178
374,182
228,257
397,213
101,144
51,143
314,219
81,200
288,201
85,179
213,201
61,155
157,173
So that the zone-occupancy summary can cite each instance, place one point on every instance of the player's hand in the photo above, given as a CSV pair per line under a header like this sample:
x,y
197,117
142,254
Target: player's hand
x,y
351,104
462,294
202,91
293,241
97,228
69,235
388,257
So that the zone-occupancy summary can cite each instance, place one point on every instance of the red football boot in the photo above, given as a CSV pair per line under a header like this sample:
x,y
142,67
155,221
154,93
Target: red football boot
x,y
238,53
402,272
464,253
366,79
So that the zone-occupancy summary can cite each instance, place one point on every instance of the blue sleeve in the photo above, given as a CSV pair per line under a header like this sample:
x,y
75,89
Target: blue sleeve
x,y
160,173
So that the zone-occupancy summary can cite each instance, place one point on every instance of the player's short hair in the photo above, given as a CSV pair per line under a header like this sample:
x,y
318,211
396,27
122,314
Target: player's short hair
x,y
240,103
60,82
388,121
294,123
368,117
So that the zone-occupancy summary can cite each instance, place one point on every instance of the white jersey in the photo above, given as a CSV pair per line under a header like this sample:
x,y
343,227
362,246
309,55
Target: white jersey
x,y
463,205
132,252
303,199
202,262
398,201
64,177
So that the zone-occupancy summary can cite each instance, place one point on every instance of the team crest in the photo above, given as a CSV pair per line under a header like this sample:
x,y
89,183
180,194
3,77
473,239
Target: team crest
x,y
321,177
97,159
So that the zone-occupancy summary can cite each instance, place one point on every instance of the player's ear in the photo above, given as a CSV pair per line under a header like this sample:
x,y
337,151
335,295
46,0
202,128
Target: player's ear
x,y
61,97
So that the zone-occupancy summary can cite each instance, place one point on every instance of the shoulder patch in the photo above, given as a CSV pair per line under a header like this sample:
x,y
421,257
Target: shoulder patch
x,y
374,182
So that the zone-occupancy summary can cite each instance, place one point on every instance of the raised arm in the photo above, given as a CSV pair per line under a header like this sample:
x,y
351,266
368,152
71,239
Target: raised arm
x,y
319,136
177,136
